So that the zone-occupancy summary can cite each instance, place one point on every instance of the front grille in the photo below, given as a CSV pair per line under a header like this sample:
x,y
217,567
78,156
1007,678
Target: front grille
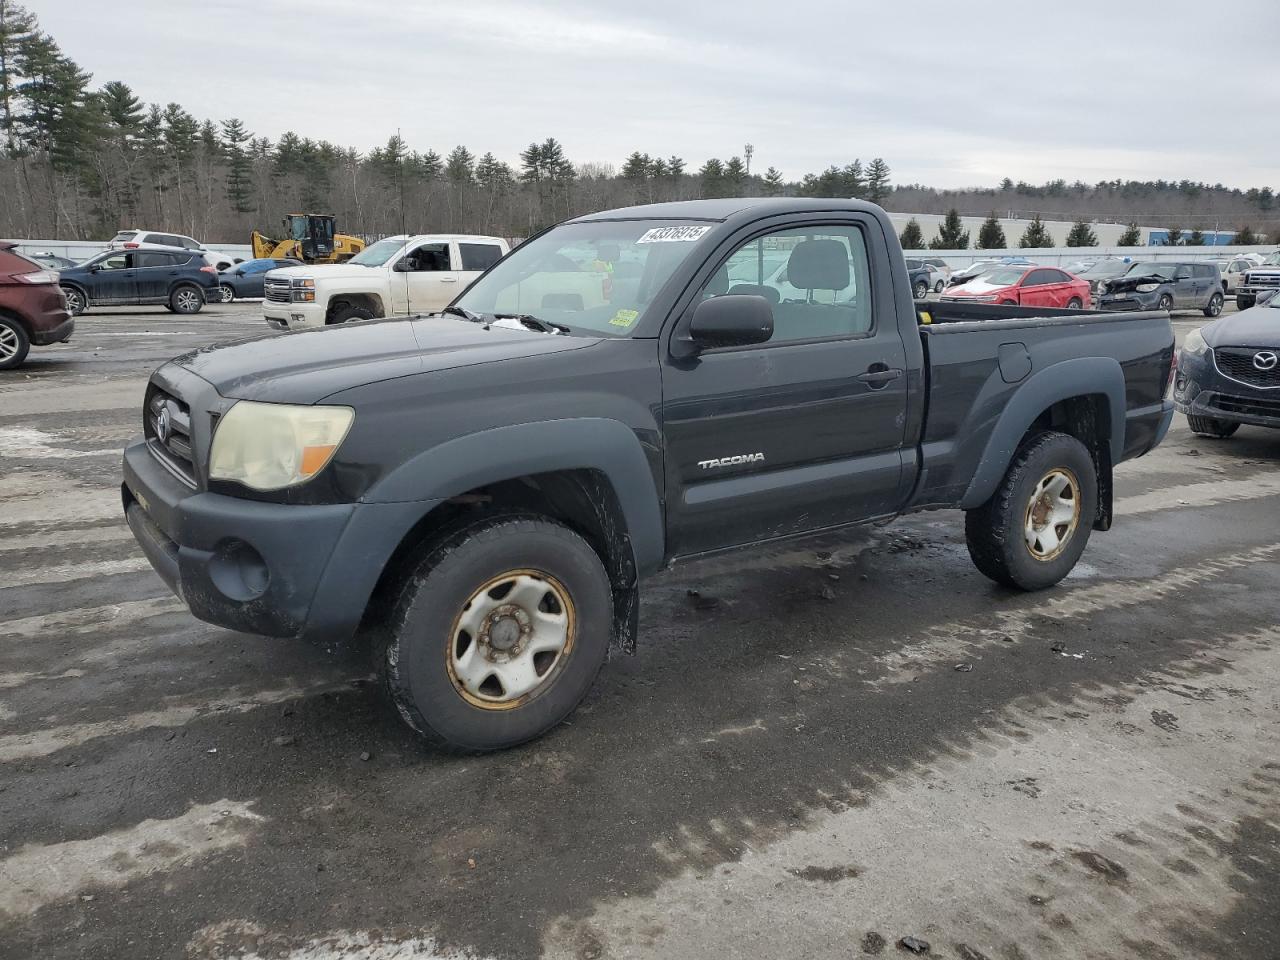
x,y
1263,279
168,433
1248,406
1238,364
1120,303
276,291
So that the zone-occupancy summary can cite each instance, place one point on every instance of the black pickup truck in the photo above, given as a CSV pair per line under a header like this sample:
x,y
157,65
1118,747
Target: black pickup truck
x,y
483,490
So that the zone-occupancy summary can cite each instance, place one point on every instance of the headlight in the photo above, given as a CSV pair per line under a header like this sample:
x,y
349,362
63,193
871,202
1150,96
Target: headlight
x,y
1147,287
270,446
1195,344
304,290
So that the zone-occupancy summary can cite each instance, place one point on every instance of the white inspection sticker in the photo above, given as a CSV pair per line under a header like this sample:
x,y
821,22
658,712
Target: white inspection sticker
x,y
673,234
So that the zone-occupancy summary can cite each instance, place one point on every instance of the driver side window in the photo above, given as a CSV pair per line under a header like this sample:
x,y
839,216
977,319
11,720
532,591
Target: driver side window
x,y
430,257
817,280
118,262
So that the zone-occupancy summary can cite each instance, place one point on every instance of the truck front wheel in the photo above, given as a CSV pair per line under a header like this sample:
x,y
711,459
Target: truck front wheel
x,y
1036,525
498,633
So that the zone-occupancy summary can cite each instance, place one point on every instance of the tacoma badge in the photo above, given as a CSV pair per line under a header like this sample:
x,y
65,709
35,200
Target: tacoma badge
x,y
732,461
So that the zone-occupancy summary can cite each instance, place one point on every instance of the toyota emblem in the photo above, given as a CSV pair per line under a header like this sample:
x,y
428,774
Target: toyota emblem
x,y
1266,359
163,426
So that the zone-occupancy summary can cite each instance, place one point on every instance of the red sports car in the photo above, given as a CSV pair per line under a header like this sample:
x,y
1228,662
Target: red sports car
x,y
1024,287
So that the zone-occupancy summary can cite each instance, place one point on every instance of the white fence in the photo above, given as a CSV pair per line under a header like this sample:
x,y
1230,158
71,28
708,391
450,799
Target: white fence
x,y
1061,256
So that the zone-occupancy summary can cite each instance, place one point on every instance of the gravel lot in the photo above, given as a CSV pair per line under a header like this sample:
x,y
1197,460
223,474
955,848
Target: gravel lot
x,y
853,742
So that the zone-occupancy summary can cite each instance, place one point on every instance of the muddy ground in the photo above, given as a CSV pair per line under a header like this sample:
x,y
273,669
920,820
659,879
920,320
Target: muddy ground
x,y
860,740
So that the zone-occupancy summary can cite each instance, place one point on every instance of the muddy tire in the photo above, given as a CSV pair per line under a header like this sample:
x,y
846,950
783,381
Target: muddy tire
x,y
1036,525
1165,302
937,287
1075,303
186,299
922,289
498,633
346,312
227,292
77,302
1209,427
14,343
1214,307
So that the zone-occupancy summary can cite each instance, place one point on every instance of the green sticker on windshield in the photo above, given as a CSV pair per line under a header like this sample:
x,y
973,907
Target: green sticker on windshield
x,y
624,318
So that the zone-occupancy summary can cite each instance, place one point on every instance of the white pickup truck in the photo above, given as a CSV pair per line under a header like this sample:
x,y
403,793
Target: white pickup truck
x,y
395,276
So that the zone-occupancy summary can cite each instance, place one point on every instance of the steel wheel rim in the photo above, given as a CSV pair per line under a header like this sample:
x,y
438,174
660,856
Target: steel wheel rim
x,y
8,343
511,639
1053,514
186,300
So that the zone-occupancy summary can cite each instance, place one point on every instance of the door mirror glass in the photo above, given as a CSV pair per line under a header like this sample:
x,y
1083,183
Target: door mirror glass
x,y
732,321
403,265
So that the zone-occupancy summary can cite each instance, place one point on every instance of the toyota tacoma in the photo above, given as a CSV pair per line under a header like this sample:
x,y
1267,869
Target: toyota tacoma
x,y
482,491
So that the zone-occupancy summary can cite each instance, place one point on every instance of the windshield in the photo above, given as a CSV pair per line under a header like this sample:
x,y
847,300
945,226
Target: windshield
x,y
1273,260
376,254
1106,268
1003,277
1152,269
596,276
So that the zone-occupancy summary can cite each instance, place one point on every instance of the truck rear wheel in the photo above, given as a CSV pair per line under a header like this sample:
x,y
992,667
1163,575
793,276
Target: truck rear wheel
x,y
1037,523
1209,427
498,633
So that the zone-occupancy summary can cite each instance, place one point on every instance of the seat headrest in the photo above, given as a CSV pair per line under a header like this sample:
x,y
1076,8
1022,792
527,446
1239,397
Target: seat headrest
x,y
819,265
755,290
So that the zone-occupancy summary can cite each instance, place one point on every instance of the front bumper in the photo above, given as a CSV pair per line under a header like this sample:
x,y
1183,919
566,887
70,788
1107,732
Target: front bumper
x,y
281,570
1201,390
56,334
1129,300
291,316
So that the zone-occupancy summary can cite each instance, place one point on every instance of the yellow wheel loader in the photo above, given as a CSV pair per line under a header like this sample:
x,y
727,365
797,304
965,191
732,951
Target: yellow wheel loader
x,y
309,237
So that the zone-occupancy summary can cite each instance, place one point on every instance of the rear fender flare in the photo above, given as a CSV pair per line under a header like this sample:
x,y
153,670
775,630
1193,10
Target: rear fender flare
x,y
520,450
1083,376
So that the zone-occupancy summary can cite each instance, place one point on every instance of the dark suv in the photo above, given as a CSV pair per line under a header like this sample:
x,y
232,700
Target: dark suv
x,y
1164,285
32,310
179,279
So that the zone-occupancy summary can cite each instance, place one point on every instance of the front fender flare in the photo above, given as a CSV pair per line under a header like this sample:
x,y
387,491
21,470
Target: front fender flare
x,y
1083,376
506,453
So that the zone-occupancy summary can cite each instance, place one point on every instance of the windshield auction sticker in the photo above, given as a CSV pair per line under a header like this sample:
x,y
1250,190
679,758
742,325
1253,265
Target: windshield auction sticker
x,y
624,318
673,234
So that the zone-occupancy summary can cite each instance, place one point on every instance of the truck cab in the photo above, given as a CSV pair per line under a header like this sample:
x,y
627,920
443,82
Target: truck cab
x,y
397,276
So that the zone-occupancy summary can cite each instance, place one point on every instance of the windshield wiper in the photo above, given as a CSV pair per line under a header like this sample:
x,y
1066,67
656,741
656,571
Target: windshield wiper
x,y
464,313
533,323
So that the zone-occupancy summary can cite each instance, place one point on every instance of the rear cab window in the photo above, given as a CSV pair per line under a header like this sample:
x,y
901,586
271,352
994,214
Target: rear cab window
x,y
479,256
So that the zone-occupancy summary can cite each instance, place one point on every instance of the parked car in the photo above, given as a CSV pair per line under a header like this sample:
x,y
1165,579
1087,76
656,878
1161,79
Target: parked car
x,y
152,240
1229,372
935,280
485,491
179,279
32,310
1233,271
979,267
245,279
399,276
1024,286
1164,285
943,267
920,275
1101,270
1260,281
51,260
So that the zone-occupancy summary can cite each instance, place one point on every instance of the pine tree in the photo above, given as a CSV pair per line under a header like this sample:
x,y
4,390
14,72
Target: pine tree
x,y
772,182
991,234
1195,238
877,190
1036,236
1173,238
239,166
1082,235
1132,237
712,175
1006,185
951,234
912,237
735,175
1245,237
636,167
16,27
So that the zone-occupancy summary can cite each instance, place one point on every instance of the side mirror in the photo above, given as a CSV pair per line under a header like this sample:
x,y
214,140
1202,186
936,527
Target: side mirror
x,y
403,265
732,321
239,273
95,268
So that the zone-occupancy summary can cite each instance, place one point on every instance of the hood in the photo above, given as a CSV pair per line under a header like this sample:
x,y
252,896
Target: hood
x,y
305,366
331,271
977,288
1255,327
1127,283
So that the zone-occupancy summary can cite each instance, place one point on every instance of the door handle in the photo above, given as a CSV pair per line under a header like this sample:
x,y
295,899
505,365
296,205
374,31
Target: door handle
x,y
448,279
879,376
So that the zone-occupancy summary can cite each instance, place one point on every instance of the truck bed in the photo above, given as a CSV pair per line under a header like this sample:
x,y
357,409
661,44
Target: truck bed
x,y
980,358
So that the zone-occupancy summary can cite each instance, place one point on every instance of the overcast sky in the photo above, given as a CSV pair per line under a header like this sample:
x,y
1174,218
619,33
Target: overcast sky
x,y
950,94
